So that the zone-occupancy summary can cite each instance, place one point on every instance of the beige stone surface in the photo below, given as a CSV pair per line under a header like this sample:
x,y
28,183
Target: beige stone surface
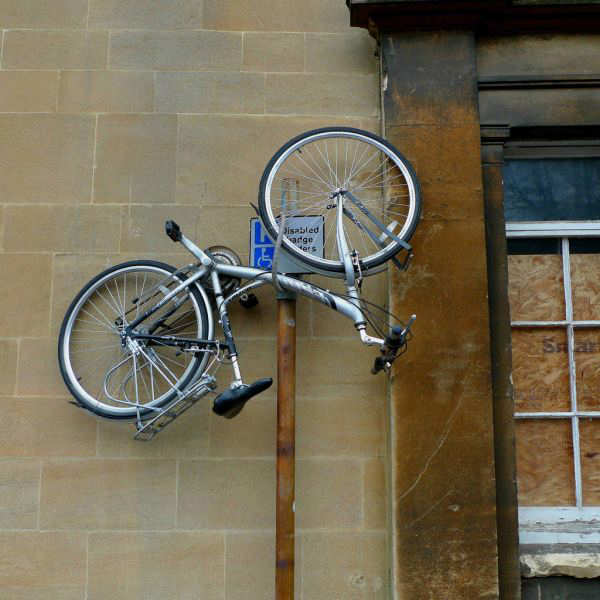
x,y
34,49
154,566
321,94
432,153
229,225
276,15
226,494
8,359
252,434
220,159
46,564
345,565
273,51
375,494
339,425
187,437
106,92
249,565
143,229
108,494
210,92
535,55
135,158
343,367
39,13
34,228
341,53
25,311
145,14
28,91
46,426
328,494
19,490
176,50
46,158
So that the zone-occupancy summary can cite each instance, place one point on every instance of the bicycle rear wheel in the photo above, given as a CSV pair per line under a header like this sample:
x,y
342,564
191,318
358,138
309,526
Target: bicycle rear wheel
x,y
302,178
121,381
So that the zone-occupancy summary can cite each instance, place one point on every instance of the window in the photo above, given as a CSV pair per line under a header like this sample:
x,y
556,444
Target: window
x,y
552,209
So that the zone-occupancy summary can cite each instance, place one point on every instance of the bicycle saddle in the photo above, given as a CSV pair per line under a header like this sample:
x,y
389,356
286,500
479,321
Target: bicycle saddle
x,y
230,402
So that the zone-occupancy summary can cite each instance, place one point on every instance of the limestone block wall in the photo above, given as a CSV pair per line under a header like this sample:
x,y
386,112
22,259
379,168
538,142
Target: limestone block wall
x,y
113,117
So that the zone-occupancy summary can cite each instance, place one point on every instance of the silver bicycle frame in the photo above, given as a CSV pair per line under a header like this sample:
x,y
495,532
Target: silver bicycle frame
x,y
259,277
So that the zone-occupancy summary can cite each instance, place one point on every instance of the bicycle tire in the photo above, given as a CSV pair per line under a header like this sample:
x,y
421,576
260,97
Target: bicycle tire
x,y
315,161
93,319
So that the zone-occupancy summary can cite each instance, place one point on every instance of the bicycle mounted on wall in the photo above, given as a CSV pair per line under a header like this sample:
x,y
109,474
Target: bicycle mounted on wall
x,y
138,341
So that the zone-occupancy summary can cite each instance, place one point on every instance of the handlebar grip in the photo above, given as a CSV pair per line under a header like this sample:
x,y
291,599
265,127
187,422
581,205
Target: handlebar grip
x,y
395,339
173,231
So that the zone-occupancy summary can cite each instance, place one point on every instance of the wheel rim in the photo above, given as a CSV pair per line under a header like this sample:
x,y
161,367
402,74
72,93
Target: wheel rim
x,y
91,345
366,167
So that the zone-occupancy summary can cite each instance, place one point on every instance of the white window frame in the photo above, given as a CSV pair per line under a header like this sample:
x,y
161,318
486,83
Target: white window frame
x,y
574,524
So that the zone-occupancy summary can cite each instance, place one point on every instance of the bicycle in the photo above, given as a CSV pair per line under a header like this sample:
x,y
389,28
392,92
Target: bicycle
x,y
138,341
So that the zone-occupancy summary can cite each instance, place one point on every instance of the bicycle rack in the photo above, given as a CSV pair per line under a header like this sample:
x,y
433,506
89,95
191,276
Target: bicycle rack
x,y
146,430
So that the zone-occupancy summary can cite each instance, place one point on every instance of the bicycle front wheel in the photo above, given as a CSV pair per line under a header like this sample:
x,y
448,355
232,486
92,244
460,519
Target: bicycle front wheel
x,y
117,380
307,176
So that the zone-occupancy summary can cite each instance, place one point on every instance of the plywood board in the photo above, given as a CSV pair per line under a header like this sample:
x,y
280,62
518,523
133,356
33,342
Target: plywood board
x,y
587,368
589,436
585,281
545,463
535,289
540,370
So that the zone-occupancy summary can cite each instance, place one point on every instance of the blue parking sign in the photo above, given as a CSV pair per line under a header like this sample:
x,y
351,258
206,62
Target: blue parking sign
x,y
262,247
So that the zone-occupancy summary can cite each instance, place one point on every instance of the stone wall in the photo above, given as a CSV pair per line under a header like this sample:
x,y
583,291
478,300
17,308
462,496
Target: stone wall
x,y
114,117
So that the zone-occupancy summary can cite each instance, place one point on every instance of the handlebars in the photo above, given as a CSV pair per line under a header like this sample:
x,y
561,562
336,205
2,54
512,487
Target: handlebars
x,y
392,344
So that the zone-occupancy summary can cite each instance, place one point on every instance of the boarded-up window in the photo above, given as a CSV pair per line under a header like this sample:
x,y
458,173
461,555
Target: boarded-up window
x,y
554,292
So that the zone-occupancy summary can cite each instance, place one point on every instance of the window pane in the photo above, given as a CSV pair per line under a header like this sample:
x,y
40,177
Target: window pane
x,y
533,245
545,463
589,435
540,370
585,282
552,189
587,368
536,287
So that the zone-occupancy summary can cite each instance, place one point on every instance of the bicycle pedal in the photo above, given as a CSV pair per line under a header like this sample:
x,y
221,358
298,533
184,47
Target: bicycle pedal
x,y
248,300
229,403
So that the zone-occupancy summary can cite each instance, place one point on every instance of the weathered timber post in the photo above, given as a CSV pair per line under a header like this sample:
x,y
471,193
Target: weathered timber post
x,y
286,444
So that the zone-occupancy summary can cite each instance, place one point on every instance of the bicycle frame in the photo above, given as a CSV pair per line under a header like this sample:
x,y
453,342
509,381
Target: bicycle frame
x,y
258,277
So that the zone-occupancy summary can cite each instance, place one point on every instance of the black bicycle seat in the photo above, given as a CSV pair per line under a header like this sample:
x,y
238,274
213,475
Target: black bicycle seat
x,y
230,402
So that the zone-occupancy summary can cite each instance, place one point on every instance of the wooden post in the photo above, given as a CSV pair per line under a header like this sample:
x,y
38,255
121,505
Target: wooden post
x,y
286,444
